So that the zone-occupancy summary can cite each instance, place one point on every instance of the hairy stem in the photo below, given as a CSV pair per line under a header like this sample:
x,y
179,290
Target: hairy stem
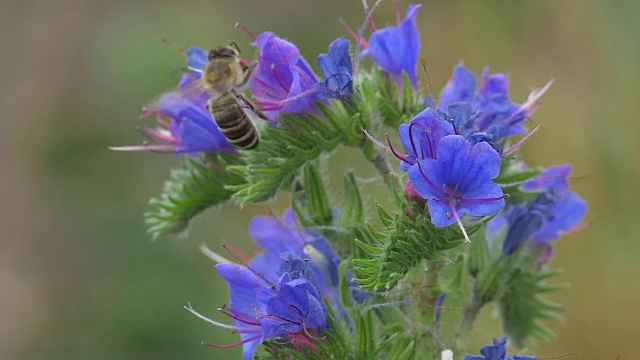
x,y
381,164
463,334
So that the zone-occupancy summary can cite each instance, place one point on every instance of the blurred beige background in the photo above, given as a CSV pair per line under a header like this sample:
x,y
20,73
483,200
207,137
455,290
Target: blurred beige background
x,y
80,279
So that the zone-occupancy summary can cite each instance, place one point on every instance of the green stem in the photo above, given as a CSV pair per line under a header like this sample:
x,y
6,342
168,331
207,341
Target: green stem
x,y
381,164
430,281
463,334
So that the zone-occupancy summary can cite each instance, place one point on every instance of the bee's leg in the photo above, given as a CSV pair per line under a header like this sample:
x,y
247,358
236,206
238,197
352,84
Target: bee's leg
x,y
249,105
246,74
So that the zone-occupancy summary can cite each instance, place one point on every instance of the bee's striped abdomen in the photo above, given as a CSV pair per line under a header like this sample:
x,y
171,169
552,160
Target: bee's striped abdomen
x,y
234,122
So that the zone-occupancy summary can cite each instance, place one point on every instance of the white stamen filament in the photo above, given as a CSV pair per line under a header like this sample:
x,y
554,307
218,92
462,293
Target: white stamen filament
x,y
212,322
455,215
213,255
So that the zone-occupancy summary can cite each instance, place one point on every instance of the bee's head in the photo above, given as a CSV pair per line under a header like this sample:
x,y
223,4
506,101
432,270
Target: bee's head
x,y
222,52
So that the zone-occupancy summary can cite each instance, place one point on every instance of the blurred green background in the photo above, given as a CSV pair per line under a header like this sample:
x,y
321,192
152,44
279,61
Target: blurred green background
x,y
79,278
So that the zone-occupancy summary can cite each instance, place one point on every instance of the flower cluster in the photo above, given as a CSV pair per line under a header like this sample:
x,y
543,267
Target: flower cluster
x,y
497,351
298,297
553,212
278,295
184,124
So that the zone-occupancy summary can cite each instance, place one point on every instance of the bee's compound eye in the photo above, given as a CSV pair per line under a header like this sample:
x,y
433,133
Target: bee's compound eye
x,y
228,53
212,55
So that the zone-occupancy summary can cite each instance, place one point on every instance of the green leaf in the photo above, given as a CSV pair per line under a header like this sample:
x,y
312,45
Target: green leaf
x,y
318,205
191,189
351,211
517,178
523,308
296,141
405,243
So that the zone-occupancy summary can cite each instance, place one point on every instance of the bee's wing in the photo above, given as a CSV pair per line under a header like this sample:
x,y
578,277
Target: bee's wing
x,y
188,88
254,111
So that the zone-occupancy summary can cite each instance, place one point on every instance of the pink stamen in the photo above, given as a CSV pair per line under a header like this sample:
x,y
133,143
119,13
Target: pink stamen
x,y
244,260
398,13
427,132
303,94
162,122
529,106
455,130
238,318
236,253
246,31
413,145
374,140
148,112
234,344
455,215
575,229
271,108
371,25
396,154
275,74
431,153
268,86
522,141
436,188
353,34
157,136
505,196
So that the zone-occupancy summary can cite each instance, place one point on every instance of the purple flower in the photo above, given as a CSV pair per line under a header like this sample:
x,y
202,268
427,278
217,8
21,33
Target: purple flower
x,y
554,212
283,82
396,49
185,126
487,113
282,79
458,180
497,351
277,294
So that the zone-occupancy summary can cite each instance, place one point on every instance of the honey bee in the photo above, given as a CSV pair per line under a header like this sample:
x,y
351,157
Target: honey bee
x,y
222,76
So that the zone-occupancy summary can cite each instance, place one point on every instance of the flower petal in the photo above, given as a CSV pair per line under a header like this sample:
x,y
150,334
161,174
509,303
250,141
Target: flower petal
x,y
397,49
461,87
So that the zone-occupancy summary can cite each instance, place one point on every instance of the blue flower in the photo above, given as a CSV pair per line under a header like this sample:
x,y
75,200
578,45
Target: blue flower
x,y
458,180
277,294
337,70
497,351
396,49
422,136
485,114
289,308
185,125
197,59
276,236
555,211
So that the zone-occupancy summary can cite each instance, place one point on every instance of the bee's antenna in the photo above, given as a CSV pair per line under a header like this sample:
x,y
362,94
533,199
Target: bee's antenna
x,y
236,46
175,47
